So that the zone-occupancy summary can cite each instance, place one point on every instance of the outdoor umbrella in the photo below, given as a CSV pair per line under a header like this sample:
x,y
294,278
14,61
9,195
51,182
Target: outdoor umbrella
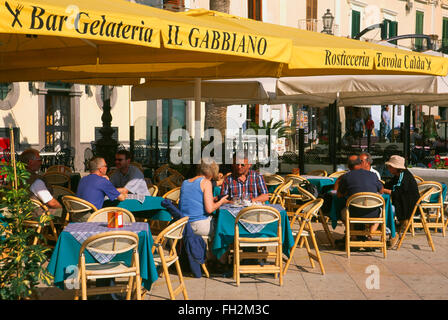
x,y
305,53
120,36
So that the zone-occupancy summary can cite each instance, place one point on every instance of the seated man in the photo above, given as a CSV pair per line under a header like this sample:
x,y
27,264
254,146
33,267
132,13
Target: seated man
x,y
95,186
244,182
39,188
354,181
366,160
128,178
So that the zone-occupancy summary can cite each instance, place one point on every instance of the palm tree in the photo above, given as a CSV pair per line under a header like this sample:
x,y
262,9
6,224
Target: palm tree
x,y
215,116
270,127
220,5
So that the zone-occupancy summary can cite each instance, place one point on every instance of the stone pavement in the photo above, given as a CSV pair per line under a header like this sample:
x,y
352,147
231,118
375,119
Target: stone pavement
x,y
412,273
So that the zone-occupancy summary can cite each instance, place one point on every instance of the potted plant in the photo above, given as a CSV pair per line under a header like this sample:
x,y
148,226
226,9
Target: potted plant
x,y
21,264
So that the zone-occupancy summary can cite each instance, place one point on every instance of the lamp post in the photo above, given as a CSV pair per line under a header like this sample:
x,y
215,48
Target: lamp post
x,y
106,147
327,20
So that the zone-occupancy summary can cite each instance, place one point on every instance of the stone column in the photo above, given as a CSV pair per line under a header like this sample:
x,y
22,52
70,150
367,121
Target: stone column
x,y
75,126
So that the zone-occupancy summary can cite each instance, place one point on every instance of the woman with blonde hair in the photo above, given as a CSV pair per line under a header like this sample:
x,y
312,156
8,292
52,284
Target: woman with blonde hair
x,y
196,198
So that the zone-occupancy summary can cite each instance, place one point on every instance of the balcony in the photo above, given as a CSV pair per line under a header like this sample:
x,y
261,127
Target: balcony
x,y
316,25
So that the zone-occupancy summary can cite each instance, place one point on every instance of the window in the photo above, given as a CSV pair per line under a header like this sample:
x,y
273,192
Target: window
x,y
254,9
445,35
389,30
311,15
311,9
419,29
356,23
5,88
173,115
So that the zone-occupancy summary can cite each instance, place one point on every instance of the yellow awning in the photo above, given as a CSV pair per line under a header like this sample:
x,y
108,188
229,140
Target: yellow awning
x,y
186,47
52,33
318,51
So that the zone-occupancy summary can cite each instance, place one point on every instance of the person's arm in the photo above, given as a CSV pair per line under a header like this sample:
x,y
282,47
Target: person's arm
x,y
53,204
122,196
262,190
261,198
341,187
39,189
209,204
123,190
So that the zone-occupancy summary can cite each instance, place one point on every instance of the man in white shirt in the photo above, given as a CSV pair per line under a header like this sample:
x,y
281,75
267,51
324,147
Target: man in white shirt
x,y
366,162
128,178
38,186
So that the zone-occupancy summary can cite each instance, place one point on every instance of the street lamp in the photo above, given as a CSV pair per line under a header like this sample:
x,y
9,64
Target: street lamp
x,y
327,20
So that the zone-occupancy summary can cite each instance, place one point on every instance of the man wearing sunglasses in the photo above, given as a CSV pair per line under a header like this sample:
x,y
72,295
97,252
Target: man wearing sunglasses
x,y
128,178
245,182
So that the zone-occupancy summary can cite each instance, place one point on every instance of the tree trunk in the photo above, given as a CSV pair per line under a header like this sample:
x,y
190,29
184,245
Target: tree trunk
x,y
220,5
215,116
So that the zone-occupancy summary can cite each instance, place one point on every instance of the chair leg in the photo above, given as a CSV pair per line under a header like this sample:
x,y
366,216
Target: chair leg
x,y
324,222
204,267
428,233
130,288
279,261
408,225
236,272
168,282
83,286
308,250
138,284
316,249
181,280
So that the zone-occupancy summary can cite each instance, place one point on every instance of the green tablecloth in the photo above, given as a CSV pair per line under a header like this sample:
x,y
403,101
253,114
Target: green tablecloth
x,y
320,183
225,233
337,204
66,254
435,197
151,208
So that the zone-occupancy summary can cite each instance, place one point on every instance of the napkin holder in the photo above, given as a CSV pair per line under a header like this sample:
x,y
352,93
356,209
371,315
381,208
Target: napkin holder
x,y
115,219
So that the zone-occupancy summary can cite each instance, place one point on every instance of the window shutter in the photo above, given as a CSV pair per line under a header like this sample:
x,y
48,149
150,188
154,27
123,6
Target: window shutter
x,y
356,22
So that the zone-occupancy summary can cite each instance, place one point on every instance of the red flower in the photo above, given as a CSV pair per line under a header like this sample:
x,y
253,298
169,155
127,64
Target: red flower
x,y
437,156
436,160
429,165
446,161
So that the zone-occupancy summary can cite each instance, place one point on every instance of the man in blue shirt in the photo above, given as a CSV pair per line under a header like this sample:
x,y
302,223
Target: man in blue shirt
x,y
355,181
96,185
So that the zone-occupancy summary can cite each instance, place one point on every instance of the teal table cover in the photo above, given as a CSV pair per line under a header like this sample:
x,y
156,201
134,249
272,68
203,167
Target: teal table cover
x,y
320,183
337,204
64,259
151,208
225,233
435,197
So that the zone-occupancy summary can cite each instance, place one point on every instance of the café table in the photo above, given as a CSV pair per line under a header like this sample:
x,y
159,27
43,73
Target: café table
x,y
322,183
142,206
337,204
64,260
225,230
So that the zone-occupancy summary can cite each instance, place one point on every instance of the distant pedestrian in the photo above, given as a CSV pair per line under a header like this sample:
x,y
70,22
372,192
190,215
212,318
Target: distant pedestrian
x,y
385,123
370,125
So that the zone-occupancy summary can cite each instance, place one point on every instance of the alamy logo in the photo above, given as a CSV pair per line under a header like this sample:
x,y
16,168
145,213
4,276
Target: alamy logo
x,y
373,280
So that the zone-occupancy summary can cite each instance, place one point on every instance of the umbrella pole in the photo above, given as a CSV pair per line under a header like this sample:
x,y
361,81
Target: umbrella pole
x,y
131,126
13,156
407,133
197,120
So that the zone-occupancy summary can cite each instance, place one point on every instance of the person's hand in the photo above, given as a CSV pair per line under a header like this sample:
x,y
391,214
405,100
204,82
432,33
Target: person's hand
x,y
224,200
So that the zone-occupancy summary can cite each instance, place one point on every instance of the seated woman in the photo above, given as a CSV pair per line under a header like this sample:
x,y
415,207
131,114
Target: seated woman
x,y
403,191
196,198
